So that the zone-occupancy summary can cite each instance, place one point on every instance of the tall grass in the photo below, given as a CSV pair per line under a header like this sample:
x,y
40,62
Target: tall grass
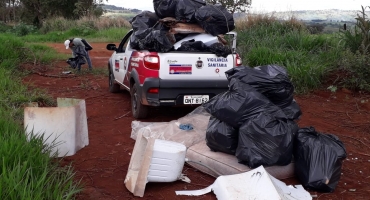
x,y
26,170
264,40
356,62
102,29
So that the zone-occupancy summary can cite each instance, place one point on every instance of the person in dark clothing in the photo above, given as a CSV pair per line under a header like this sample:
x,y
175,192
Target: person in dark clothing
x,y
81,48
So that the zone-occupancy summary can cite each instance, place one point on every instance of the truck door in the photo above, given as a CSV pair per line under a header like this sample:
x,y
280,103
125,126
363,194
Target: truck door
x,y
121,59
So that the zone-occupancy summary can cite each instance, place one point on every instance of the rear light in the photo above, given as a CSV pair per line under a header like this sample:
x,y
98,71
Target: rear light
x,y
153,90
151,62
238,61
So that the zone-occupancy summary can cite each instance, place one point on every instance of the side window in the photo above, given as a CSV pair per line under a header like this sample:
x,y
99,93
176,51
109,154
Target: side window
x,y
122,46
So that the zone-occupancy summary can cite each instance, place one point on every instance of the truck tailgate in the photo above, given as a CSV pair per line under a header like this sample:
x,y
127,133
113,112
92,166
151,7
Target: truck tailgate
x,y
194,66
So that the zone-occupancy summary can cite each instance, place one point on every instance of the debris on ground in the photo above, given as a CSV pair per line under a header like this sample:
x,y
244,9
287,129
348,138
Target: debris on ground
x,y
255,184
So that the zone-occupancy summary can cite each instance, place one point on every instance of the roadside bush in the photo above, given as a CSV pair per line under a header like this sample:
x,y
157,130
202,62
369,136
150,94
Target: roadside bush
x,y
358,38
357,69
263,40
22,29
356,60
4,28
84,25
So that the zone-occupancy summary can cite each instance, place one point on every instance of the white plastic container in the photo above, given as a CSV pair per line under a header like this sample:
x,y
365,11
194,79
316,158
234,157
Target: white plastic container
x,y
167,161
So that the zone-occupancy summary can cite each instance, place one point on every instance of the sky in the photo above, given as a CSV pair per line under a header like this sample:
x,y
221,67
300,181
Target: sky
x,y
265,5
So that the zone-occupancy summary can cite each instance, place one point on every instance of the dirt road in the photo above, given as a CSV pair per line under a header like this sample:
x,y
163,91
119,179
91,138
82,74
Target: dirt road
x,y
103,164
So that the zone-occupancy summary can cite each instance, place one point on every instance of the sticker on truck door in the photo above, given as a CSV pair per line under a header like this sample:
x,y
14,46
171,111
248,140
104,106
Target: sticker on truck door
x,y
180,69
116,65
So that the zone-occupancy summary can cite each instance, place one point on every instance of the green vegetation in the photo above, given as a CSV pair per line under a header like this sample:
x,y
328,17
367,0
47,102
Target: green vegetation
x,y
307,57
356,60
26,170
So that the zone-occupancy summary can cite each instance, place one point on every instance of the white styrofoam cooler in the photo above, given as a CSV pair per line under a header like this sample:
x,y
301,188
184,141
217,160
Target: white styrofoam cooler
x,y
167,161
64,127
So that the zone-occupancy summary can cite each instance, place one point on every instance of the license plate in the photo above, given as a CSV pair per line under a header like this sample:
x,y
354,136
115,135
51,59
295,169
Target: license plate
x,y
195,99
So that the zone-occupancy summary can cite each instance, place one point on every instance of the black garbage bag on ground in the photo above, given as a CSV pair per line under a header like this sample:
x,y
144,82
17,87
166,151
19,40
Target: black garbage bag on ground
x,y
185,10
266,140
272,81
193,46
221,136
76,61
215,19
318,159
165,8
239,104
220,50
293,111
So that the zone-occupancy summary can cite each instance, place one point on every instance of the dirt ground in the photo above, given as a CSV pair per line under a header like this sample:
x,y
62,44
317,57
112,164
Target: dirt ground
x,y
103,164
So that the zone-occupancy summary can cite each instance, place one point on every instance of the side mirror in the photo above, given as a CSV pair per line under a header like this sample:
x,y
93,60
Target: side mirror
x,y
111,47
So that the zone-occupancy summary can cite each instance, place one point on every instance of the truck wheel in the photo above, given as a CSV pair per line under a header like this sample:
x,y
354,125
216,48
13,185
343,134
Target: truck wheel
x,y
139,111
113,87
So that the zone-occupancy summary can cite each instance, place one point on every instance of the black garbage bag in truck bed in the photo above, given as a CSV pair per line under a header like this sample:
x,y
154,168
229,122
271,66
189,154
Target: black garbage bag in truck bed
x,y
165,8
142,25
215,19
185,10
318,159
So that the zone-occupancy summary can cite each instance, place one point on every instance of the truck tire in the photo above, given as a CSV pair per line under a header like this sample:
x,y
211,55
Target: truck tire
x,y
113,86
139,111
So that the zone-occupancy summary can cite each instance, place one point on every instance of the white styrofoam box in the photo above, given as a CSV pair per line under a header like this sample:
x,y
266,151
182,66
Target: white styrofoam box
x,y
64,126
167,161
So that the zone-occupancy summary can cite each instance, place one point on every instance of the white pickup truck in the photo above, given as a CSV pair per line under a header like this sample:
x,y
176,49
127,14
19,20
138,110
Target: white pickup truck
x,y
169,79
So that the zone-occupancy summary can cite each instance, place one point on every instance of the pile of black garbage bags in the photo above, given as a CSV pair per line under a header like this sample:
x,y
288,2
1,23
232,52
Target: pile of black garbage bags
x,y
255,120
150,34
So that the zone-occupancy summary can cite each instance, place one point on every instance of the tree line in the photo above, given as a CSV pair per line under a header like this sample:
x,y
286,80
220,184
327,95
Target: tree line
x,y
35,11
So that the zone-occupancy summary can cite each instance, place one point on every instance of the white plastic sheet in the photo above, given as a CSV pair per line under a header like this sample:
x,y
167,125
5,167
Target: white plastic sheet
x,y
256,184
171,131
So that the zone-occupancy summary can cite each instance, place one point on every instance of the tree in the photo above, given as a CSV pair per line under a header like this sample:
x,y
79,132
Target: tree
x,y
233,5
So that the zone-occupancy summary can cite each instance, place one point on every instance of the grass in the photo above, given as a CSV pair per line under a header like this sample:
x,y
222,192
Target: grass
x,y
308,58
26,169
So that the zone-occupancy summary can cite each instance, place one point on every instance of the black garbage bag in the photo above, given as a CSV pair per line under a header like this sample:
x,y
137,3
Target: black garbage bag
x,y
239,104
88,47
293,111
185,10
215,19
159,39
165,8
318,159
266,140
76,61
220,50
221,136
193,46
135,43
142,23
270,80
